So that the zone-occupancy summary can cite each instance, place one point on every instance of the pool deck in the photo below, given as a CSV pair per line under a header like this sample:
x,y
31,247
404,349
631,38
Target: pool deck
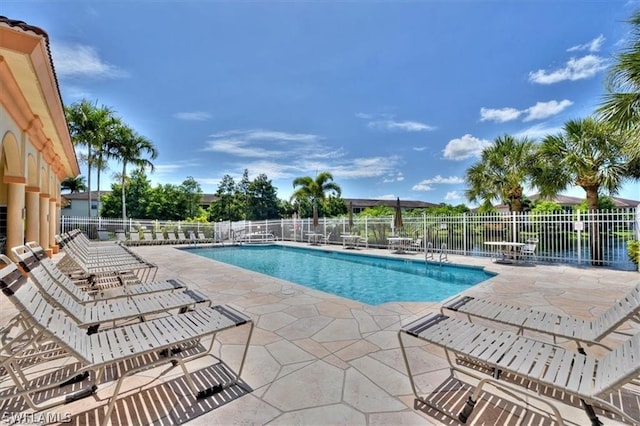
x,y
319,359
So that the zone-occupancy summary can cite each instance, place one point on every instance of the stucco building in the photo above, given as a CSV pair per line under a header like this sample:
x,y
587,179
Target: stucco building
x,y
36,153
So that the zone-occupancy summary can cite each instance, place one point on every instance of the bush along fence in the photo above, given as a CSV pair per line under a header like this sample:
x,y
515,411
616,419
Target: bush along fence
x,y
609,238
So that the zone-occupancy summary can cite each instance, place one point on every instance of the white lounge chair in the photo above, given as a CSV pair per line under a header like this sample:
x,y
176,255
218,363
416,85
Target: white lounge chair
x,y
591,379
133,348
91,314
100,287
581,330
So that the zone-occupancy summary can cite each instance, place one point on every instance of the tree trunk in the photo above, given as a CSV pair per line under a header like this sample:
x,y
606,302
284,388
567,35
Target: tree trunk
x,y
124,204
594,227
89,179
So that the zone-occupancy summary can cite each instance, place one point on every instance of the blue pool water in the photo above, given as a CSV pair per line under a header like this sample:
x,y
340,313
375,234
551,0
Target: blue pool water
x,y
368,279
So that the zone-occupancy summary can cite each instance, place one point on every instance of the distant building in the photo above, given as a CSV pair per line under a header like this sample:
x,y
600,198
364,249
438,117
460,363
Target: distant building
x,y
567,202
76,203
360,204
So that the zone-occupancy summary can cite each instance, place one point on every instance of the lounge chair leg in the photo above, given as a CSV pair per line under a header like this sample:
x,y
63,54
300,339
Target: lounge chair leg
x,y
81,394
75,379
467,410
595,421
210,391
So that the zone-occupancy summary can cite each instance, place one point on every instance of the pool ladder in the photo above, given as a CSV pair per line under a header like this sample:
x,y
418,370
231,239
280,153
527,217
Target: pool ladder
x,y
429,253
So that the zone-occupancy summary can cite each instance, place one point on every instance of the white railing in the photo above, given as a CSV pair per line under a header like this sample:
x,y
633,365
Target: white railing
x,y
564,237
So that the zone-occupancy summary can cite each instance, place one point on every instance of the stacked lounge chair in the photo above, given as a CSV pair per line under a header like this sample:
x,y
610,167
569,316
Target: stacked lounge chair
x,y
86,259
91,313
45,322
117,285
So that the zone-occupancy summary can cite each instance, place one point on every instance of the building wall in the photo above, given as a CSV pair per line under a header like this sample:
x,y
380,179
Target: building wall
x,y
36,152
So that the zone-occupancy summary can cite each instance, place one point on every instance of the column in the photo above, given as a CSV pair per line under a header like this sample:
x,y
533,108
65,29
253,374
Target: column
x,y
44,223
15,212
53,225
33,214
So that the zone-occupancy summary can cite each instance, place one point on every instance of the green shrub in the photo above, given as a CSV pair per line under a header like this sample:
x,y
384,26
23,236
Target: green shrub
x,y
633,250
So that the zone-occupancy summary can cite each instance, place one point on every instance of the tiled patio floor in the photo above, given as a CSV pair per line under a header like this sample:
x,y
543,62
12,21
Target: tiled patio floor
x,y
318,359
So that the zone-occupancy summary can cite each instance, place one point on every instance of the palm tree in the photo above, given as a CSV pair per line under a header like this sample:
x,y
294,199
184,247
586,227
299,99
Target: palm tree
x,y
315,190
621,106
131,148
73,184
503,170
88,126
590,154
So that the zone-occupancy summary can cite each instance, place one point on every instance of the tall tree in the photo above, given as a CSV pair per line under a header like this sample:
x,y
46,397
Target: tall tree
x,y
621,106
73,184
315,190
132,149
226,206
502,172
262,199
192,195
88,126
587,153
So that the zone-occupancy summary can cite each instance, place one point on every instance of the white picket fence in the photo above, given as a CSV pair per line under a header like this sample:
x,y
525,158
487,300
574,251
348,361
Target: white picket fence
x,y
563,236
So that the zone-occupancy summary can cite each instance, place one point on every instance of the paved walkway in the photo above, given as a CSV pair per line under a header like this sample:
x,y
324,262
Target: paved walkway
x,y
318,359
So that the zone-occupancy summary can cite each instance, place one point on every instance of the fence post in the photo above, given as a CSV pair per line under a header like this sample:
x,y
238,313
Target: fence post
x,y
579,231
513,227
464,233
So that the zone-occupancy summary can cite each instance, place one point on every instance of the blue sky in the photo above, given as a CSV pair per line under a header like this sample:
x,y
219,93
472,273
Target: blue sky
x,y
395,99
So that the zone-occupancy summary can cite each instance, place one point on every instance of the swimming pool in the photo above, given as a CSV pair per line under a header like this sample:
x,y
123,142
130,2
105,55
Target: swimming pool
x,y
369,279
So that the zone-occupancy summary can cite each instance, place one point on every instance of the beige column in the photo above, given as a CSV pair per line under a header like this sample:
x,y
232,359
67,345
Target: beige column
x,y
44,222
33,214
53,224
15,212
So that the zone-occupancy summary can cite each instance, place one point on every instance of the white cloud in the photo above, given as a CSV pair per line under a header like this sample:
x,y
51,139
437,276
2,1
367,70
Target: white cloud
x,y
397,177
465,147
77,60
240,148
404,126
539,111
387,122
427,184
193,116
451,180
267,135
453,195
543,110
419,148
499,115
592,46
575,69
422,187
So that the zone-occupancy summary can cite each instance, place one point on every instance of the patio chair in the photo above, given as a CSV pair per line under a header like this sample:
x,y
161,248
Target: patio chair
x,y
160,237
91,314
171,238
202,238
528,251
147,238
182,238
528,366
130,348
580,330
416,245
134,238
193,238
